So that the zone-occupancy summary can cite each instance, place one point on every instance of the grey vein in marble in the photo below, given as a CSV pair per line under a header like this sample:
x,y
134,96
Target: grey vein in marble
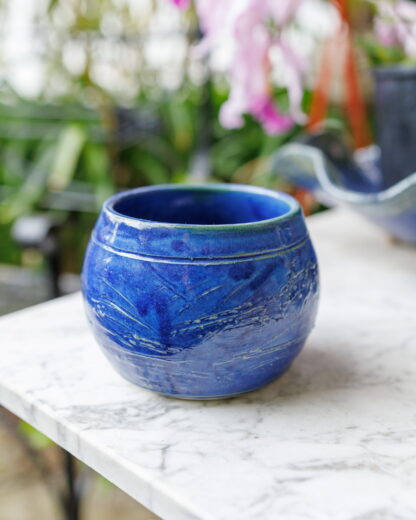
x,y
334,439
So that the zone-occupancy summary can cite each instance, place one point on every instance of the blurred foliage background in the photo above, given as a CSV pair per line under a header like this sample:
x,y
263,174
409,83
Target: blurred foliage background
x,y
105,97
98,96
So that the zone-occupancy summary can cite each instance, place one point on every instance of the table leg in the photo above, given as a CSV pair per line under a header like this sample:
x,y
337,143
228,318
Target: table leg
x,y
72,500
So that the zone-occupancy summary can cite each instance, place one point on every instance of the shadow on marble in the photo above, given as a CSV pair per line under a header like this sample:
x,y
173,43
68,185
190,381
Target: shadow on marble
x,y
316,371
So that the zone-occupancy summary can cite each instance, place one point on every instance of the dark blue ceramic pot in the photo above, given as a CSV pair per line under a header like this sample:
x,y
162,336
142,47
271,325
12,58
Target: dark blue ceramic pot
x,y
201,291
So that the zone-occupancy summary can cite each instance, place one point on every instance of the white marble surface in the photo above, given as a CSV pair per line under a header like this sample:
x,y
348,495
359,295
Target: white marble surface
x,y
334,439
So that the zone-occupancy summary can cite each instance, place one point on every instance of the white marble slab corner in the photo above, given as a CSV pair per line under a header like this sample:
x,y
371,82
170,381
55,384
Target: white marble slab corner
x,y
334,439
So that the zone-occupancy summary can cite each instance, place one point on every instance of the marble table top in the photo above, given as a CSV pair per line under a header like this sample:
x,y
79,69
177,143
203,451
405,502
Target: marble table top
x,y
334,439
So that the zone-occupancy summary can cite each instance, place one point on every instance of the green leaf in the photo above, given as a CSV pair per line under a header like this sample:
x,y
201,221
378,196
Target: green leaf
x,y
52,4
150,167
24,199
98,172
69,147
181,125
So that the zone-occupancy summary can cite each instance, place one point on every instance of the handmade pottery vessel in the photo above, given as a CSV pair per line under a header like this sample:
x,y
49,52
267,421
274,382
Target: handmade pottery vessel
x,y
357,182
201,291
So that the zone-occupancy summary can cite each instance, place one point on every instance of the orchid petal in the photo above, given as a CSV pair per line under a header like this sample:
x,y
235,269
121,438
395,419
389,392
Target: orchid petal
x,y
182,4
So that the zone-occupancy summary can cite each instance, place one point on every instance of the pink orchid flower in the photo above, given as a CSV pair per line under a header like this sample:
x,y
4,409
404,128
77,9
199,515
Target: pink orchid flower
x,y
396,24
182,4
250,74
255,27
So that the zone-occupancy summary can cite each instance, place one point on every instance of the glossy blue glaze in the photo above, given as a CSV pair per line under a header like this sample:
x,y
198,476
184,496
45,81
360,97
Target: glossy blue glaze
x,y
201,291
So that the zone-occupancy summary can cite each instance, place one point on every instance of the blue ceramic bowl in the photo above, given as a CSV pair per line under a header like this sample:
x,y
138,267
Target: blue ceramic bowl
x,y
201,291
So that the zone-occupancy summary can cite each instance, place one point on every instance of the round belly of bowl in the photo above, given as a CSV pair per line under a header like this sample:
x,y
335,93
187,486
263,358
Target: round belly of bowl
x,y
200,292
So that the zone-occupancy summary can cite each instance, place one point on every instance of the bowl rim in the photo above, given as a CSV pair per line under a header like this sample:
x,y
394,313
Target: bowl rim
x,y
117,217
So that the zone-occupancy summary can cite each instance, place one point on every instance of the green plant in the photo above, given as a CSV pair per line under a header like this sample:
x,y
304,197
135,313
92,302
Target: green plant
x,y
68,149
